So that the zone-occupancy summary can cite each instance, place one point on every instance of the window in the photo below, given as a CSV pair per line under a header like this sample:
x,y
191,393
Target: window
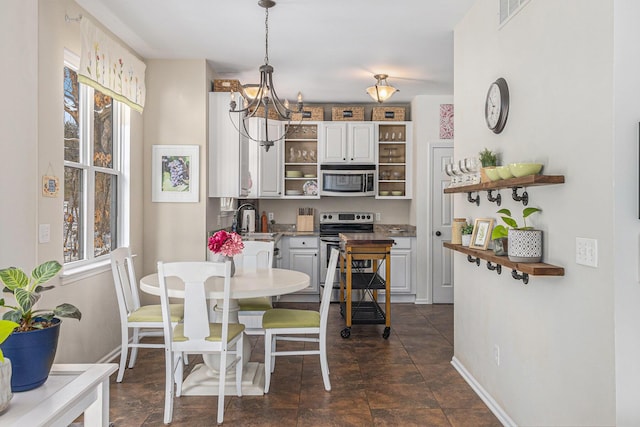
x,y
95,150
508,8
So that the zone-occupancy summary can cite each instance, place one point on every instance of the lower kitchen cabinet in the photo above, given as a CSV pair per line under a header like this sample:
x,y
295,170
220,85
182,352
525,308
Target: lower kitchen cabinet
x,y
403,266
301,253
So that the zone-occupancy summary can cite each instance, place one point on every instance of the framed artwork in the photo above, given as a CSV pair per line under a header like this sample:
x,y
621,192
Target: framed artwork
x,y
175,173
446,121
481,233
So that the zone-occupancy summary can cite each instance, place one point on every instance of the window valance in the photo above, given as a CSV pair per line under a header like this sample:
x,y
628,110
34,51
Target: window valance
x,y
109,67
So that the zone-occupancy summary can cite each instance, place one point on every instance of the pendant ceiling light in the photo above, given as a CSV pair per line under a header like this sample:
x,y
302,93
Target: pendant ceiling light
x,y
261,100
382,90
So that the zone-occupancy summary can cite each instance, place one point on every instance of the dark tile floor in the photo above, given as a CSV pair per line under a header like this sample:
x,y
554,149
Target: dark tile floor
x,y
406,380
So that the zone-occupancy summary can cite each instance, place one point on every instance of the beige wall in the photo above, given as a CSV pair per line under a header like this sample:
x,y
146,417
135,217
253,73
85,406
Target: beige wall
x,y
556,335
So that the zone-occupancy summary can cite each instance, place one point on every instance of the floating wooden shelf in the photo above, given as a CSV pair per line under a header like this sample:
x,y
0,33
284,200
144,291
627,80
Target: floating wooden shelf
x,y
533,269
525,181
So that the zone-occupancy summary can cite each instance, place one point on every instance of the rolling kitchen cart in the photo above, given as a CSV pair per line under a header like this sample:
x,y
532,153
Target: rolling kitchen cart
x,y
355,248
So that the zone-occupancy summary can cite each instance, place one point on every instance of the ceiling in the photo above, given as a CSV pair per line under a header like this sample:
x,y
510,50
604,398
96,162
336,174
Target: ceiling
x,y
327,49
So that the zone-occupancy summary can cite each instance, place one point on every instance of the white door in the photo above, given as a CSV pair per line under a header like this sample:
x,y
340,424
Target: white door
x,y
441,217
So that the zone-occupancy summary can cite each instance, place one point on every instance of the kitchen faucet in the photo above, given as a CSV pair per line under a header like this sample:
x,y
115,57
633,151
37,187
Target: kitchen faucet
x,y
234,224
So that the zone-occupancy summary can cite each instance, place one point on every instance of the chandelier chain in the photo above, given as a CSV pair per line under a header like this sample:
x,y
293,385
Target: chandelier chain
x,y
266,36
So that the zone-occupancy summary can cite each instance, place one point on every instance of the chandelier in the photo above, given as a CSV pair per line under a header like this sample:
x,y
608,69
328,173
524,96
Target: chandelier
x,y
381,91
261,100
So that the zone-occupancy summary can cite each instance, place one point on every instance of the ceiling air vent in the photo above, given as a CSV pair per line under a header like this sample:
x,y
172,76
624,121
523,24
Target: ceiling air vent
x,y
508,8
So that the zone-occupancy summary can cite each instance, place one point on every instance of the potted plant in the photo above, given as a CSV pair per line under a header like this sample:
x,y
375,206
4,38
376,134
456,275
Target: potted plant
x,y
467,231
32,346
524,243
489,160
6,328
226,245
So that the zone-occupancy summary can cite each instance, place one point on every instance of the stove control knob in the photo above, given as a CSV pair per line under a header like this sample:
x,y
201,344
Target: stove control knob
x,y
330,216
368,216
357,216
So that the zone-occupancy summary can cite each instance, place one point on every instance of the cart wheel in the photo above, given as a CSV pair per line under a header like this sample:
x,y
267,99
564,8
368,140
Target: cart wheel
x,y
386,333
345,333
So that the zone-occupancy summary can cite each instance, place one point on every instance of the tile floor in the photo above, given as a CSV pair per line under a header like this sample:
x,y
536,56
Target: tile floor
x,y
406,380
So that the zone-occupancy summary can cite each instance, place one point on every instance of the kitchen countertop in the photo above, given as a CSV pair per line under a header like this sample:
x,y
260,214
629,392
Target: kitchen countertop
x,y
366,238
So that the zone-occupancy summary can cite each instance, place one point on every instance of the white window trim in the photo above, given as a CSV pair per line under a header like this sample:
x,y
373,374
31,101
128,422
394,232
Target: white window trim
x,y
89,265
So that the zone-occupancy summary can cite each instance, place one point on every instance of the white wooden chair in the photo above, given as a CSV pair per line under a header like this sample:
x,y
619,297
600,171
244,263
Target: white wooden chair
x,y
144,321
256,254
196,335
283,324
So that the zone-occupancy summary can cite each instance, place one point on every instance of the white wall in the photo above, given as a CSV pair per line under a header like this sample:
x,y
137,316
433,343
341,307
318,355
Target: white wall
x,y
556,335
626,234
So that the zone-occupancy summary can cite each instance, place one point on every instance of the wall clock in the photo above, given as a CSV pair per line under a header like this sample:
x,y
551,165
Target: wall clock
x,y
496,108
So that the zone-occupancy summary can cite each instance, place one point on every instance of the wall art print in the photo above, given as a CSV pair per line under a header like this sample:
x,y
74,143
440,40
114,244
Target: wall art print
x,y
446,121
175,173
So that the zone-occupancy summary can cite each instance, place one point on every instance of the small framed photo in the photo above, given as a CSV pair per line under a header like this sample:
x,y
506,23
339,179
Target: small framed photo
x,y
481,233
175,173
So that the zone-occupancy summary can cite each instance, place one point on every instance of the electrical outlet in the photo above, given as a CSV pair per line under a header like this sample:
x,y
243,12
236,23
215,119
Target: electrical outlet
x,y
270,216
378,216
587,252
496,354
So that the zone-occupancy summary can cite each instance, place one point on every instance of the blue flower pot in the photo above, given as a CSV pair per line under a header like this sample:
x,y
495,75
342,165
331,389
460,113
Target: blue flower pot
x,y
31,355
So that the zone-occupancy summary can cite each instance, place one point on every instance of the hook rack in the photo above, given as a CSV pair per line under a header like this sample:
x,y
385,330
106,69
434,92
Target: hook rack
x,y
67,18
472,200
524,198
494,267
497,199
472,259
524,276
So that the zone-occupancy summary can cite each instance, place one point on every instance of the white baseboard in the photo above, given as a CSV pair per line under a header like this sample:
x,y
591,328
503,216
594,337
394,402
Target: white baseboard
x,y
497,410
422,301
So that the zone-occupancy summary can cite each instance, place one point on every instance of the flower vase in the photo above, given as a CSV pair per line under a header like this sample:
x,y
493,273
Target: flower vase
x,y
224,258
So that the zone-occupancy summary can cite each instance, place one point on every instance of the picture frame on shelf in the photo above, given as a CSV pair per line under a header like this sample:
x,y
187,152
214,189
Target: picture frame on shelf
x,y
481,233
175,173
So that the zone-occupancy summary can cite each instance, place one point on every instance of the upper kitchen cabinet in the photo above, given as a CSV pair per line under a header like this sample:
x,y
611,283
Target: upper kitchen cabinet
x,y
301,160
232,158
395,176
269,162
347,142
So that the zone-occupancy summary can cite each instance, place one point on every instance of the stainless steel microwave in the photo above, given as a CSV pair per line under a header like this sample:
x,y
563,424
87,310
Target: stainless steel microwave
x,y
347,180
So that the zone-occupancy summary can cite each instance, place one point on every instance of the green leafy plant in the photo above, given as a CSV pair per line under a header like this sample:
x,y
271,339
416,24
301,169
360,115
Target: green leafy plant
x,y
467,228
488,158
500,231
27,292
6,328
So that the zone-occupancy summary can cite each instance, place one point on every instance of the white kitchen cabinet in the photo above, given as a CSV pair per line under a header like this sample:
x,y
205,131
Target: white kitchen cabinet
x,y
395,174
403,266
270,166
232,158
301,253
347,142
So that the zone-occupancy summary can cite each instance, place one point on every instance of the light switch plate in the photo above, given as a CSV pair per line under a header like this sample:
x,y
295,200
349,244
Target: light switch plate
x,y
44,233
587,252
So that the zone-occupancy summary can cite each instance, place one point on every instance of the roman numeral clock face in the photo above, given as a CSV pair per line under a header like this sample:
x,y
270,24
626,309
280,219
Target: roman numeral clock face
x,y
496,107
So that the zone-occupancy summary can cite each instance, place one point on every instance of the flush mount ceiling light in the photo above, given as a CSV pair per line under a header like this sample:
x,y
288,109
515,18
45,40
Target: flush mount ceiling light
x,y
261,100
382,90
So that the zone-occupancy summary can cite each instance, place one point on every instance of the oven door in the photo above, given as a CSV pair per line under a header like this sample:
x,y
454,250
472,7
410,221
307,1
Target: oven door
x,y
335,180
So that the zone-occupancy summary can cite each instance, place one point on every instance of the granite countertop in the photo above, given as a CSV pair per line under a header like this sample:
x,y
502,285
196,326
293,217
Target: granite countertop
x,y
366,238
392,230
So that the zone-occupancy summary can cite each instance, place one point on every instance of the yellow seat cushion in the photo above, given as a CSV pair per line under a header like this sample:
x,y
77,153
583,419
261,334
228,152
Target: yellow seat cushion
x,y
288,318
255,304
153,313
215,332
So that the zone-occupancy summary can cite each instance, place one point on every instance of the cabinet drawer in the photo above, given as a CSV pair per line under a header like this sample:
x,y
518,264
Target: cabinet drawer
x,y
401,243
303,242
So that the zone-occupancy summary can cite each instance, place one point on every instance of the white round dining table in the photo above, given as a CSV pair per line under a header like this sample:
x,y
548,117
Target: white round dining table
x,y
261,282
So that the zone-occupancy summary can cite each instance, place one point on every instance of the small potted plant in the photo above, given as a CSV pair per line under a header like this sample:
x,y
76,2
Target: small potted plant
x,y
524,243
37,328
6,328
467,231
489,160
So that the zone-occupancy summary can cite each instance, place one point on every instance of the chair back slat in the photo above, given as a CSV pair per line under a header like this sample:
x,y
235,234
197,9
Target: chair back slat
x,y
328,287
125,281
256,254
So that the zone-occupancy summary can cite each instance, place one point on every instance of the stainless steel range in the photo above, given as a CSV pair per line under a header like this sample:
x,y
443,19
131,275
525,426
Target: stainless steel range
x,y
331,225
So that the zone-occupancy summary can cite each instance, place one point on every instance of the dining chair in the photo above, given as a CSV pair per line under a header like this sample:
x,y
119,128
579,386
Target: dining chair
x,y
255,254
282,324
144,321
196,335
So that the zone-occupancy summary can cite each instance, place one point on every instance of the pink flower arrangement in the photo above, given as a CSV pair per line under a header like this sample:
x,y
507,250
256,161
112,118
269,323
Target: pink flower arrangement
x,y
225,243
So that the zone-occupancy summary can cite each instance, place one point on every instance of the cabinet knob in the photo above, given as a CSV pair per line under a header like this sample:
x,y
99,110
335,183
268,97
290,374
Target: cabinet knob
x,y
438,233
